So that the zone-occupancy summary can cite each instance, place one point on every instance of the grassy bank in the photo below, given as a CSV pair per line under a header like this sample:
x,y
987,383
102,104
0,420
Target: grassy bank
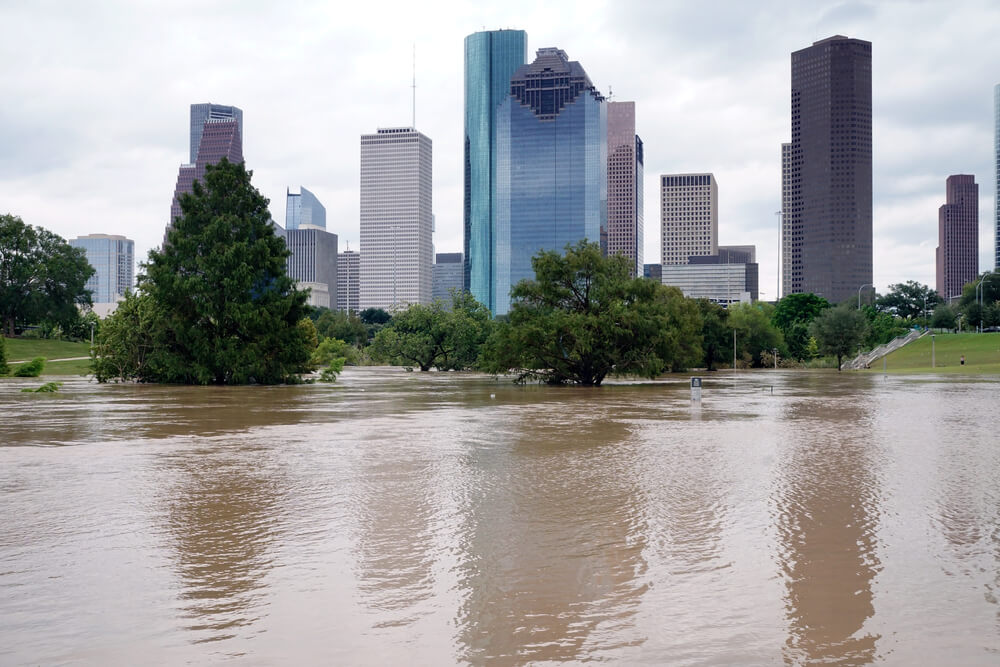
x,y
26,349
982,355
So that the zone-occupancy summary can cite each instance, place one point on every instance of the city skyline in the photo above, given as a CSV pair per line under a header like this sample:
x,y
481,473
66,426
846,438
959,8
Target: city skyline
x,y
710,96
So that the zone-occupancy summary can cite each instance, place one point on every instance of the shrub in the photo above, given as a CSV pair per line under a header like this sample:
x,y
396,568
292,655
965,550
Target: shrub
x,y
47,388
31,369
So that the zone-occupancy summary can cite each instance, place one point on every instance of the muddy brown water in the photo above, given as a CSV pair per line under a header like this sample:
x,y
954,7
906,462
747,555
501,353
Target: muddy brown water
x,y
407,518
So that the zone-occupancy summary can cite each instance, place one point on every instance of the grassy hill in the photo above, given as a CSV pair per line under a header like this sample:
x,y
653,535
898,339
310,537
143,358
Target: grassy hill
x,y
982,355
26,349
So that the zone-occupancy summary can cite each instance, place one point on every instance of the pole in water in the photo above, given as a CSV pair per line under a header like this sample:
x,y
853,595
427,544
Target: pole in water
x,y
695,389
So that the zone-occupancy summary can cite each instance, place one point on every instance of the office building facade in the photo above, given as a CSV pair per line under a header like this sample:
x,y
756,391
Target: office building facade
x,y
625,226
219,138
113,259
996,175
396,219
689,217
724,284
448,276
203,113
303,209
313,263
552,184
348,275
957,253
827,171
491,59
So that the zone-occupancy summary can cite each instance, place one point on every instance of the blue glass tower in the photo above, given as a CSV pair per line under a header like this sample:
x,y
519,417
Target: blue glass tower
x,y
551,168
491,58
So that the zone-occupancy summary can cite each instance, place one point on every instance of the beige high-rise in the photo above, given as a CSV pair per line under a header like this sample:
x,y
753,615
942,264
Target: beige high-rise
x,y
689,217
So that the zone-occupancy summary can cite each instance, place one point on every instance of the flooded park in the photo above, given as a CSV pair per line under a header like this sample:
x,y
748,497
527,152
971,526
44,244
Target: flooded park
x,y
433,518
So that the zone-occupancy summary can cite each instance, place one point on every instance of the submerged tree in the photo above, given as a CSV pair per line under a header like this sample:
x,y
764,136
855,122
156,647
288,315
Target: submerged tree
x,y
222,309
583,318
839,331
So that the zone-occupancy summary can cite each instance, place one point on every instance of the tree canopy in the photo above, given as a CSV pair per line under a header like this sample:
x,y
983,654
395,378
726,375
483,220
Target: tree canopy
x,y
839,331
435,336
220,309
907,300
755,335
793,315
41,276
583,317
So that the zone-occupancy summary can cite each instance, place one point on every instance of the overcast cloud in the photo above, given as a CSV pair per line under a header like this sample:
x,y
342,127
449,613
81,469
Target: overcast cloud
x,y
96,96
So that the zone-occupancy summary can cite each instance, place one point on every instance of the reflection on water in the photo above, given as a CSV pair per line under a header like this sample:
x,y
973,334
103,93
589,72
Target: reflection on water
x,y
552,538
222,514
827,520
790,517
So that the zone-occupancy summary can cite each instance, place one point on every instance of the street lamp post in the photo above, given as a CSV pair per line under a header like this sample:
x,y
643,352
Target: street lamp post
x,y
979,299
859,292
933,361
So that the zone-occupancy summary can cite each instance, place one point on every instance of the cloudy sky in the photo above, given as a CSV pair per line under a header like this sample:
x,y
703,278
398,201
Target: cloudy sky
x,y
96,95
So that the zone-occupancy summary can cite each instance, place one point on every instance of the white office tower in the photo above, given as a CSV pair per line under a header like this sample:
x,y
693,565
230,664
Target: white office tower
x,y
396,219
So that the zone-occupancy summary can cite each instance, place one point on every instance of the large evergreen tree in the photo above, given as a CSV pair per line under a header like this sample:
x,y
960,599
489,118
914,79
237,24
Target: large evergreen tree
x,y
222,308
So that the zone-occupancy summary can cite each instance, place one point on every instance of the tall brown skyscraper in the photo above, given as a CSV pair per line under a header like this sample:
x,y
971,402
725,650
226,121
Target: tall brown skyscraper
x,y
958,236
827,171
625,235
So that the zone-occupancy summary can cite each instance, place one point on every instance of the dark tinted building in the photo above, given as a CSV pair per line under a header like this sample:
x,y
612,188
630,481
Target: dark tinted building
x,y
958,236
219,139
827,171
447,276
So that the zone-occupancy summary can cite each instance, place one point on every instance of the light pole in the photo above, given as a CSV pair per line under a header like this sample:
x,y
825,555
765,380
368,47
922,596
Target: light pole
x,y
933,362
925,311
859,293
777,294
979,299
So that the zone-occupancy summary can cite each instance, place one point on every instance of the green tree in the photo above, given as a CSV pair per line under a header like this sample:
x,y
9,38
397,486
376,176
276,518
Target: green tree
x,y
975,305
583,317
907,300
716,335
882,327
434,336
125,342
792,316
374,316
945,317
4,368
224,310
839,331
755,335
41,276
348,327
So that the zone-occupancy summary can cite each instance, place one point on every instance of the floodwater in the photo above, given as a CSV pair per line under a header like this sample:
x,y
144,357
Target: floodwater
x,y
791,517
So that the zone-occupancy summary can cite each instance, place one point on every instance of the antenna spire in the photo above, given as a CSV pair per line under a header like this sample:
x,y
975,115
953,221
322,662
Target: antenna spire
x,y
414,86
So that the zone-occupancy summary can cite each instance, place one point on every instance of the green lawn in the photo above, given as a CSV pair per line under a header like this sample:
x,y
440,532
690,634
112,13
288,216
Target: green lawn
x,y
26,349
982,355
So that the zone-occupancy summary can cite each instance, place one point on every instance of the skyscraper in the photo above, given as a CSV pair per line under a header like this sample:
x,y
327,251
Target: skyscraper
x,y
625,226
113,259
491,58
996,174
348,272
827,171
217,137
396,218
447,276
551,168
303,209
957,253
313,263
202,113
689,217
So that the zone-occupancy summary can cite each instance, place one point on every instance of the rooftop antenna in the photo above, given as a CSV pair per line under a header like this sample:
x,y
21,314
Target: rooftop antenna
x,y
611,93
414,86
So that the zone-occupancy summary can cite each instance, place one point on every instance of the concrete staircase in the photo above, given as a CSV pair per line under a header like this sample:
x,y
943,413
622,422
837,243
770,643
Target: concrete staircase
x,y
865,360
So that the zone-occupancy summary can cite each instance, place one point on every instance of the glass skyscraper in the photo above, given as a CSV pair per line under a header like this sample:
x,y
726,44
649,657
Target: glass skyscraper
x,y
551,168
491,58
303,209
113,259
